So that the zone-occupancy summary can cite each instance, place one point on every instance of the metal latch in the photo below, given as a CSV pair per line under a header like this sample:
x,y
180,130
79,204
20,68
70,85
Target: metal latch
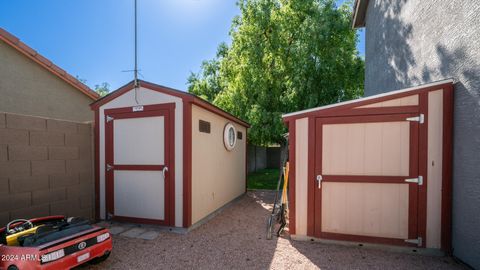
x,y
109,167
418,180
109,118
417,241
319,181
420,118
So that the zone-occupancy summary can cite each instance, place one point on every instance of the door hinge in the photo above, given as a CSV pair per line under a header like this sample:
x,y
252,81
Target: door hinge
x,y
418,180
109,167
109,216
417,241
109,118
420,118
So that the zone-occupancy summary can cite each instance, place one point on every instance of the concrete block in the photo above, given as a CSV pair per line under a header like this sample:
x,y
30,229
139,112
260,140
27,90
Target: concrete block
x,y
63,180
46,138
87,178
23,152
15,168
81,140
4,186
3,152
2,120
62,152
79,166
40,167
74,192
48,195
17,121
61,126
31,212
85,129
85,153
77,212
28,183
4,218
13,136
149,235
86,201
15,201
133,232
62,207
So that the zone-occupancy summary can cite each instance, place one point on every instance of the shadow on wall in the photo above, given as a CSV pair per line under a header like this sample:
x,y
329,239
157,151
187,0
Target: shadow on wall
x,y
412,46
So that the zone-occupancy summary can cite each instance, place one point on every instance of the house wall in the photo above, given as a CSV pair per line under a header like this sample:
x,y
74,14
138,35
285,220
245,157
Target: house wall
x,y
218,175
46,168
147,97
413,42
28,88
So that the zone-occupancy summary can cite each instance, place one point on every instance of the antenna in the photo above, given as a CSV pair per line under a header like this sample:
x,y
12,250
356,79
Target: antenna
x,y
135,70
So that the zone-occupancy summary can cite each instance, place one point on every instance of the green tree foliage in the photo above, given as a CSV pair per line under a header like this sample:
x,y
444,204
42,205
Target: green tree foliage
x,y
286,55
102,89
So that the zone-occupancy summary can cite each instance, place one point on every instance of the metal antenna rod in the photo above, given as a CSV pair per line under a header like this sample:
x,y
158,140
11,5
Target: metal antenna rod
x,y
135,70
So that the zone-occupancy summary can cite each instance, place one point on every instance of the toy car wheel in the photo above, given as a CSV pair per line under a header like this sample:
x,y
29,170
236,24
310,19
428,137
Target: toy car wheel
x,y
12,267
101,258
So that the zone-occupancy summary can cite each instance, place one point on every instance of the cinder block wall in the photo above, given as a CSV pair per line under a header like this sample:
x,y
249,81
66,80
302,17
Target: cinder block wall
x,y
46,168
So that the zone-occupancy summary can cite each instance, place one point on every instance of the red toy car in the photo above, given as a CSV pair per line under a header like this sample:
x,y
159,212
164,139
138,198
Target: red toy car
x,y
53,242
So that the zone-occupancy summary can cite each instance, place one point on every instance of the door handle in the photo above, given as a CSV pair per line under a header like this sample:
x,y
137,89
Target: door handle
x,y
164,170
319,181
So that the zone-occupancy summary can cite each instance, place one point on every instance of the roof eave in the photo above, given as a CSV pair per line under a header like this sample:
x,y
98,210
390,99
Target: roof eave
x,y
359,12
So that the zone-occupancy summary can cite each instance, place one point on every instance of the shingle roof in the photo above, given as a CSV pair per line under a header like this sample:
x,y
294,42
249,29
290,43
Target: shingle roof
x,y
47,64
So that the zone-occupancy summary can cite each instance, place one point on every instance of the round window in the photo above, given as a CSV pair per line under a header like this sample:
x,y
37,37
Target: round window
x,y
229,136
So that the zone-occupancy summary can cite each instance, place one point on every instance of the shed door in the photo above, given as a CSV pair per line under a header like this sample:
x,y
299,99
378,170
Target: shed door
x,y
367,166
138,164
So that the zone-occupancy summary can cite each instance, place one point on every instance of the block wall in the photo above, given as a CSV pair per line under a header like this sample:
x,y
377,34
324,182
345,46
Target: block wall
x,y
46,168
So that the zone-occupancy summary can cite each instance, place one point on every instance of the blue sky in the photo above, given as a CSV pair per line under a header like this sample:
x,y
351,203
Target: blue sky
x,y
94,39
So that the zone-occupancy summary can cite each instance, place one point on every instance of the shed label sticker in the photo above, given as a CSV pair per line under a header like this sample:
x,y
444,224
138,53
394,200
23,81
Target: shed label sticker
x,y
137,108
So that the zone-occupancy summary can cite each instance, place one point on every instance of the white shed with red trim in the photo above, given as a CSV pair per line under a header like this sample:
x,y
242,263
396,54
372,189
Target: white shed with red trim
x,y
158,152
375,170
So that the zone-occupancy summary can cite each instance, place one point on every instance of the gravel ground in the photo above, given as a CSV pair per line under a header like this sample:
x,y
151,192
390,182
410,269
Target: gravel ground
x,y
235,239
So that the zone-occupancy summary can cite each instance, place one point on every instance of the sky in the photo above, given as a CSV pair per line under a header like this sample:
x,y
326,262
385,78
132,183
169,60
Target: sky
x,y
93,39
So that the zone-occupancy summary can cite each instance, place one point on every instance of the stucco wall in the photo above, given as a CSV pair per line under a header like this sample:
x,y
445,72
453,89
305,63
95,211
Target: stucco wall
x,y
414,42
218,175
28,88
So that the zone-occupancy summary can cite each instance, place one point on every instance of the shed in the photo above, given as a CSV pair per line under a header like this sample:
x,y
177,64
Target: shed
x,y
374,170
165,156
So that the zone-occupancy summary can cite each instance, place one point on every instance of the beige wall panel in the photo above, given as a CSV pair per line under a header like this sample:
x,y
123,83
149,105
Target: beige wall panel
x,y
368,209
404,101
434,171
218,175
366,149
301,175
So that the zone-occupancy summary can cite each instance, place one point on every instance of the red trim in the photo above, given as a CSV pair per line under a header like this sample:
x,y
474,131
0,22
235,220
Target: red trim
x,y
311,178
45,63
166,110
331,111
422,168
97,165
447,169
291,188
366,118
187,164
367,239
186,97
317,201
366,178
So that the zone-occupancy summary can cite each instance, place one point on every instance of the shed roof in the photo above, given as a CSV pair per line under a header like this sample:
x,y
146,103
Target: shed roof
x,y
169,91
370,99
23,48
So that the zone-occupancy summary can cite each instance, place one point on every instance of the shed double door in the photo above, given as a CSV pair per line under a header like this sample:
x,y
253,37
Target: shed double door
x,y
139,164
366,170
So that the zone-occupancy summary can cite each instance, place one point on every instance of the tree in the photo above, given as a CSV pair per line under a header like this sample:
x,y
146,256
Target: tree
x,y
286,55
102,89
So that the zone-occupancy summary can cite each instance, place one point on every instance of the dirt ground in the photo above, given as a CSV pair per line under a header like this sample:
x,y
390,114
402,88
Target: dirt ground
x,y
235,239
